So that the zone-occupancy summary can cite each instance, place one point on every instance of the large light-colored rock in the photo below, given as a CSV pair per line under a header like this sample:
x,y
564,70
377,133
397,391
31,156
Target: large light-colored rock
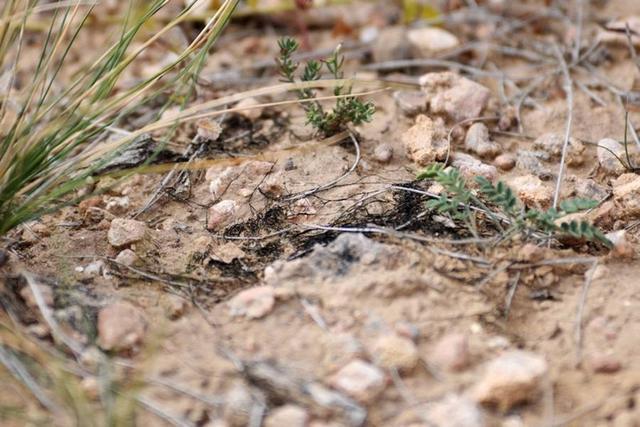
x,y
513,377
430,40
123,232
121,327
426,141
458,97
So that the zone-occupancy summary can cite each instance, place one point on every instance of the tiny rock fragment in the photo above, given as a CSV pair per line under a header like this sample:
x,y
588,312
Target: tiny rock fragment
x,y
116,204
238,405
458,97
411,102
513,377
175,306
91,387
429,40
220,181
123,232
395,352
208,129
532,191
360,380
553,144
451,352
604,363
454,411
425,142
477,140
253,303
247,108
94,269
622,248
127,257
505,161
273,185
121,327
287,415
383,153
221,214
470,167
531,161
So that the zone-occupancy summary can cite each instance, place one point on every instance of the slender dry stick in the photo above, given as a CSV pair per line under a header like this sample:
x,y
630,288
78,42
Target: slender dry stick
x,y
580,313
568,87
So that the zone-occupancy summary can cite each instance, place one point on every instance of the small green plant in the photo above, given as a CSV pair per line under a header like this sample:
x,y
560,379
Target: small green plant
x,y
347,109
503,207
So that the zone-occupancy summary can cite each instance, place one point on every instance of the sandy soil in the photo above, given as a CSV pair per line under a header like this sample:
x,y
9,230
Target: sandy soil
x,y
332,294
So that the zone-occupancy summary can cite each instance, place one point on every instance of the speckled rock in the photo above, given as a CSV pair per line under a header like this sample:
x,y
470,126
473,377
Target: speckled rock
x,y
456,96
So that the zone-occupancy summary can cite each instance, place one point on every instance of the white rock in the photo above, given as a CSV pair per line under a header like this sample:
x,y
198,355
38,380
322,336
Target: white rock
x,y
123,232
456,96
121,327
221,213
425,142
287,415
127,257
253,303
478,141
429,40
451,352
248,108
95,268
360,380
511,378
454,411
607,151
395,352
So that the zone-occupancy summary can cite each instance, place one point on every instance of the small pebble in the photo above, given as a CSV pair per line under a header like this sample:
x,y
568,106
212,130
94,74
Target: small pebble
x,y
505,161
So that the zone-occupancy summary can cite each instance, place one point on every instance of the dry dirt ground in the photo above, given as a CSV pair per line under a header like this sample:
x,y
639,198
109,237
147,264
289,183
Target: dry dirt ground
x,y
278,311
